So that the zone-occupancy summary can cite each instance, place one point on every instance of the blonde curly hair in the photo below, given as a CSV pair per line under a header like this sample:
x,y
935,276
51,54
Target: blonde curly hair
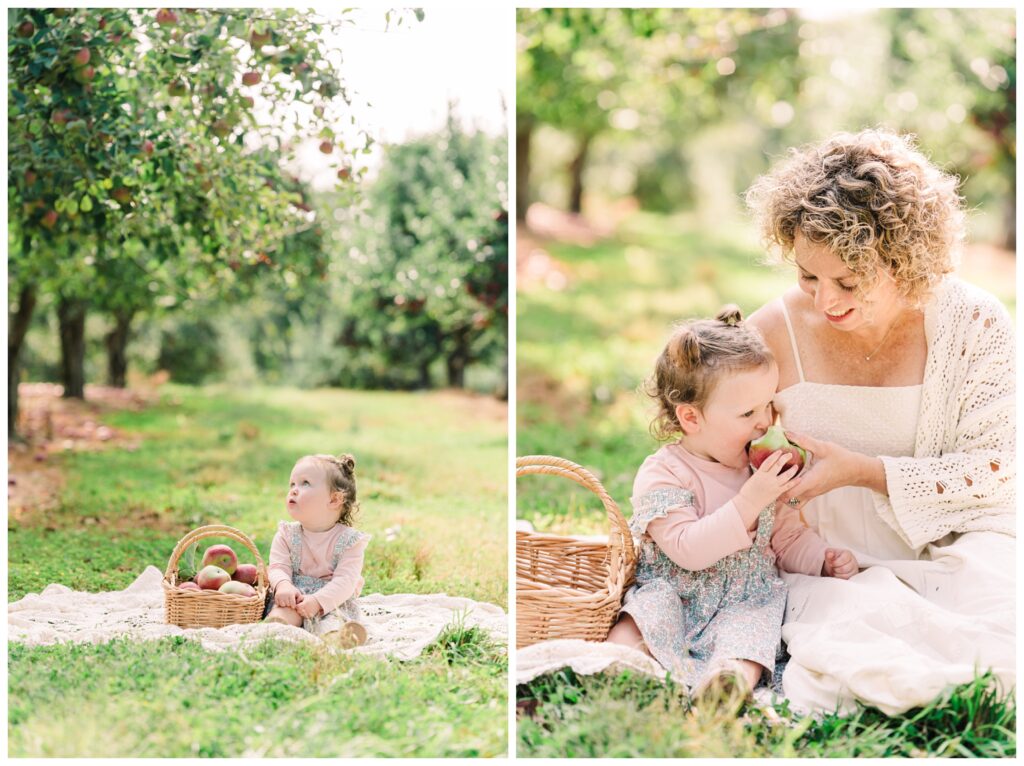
x,y
872,199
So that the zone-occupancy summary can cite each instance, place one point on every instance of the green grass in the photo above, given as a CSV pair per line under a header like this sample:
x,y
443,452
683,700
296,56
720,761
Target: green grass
x,y
582,353
627,715
431,464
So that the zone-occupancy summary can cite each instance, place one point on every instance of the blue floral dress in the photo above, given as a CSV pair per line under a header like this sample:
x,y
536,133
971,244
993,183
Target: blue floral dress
x,y
696,622
347,611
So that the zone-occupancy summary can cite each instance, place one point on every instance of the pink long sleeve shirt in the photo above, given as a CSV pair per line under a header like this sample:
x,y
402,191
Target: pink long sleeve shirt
x,y
344,582
696,536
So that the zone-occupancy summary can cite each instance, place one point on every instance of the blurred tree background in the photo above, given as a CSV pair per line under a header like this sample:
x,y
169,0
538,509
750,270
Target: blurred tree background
x,y
637,131
158,220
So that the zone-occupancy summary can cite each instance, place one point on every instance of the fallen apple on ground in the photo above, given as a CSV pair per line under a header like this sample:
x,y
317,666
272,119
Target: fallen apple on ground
x,y
775,439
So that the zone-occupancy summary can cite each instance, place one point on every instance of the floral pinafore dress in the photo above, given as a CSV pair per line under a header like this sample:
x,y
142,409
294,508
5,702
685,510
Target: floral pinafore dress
x,y
347,611
696,622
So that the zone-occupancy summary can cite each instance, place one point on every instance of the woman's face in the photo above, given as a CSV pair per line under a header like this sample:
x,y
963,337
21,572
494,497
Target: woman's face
x,y
832,286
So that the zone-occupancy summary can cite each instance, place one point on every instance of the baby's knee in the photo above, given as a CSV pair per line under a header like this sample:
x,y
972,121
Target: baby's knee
x,y
286,615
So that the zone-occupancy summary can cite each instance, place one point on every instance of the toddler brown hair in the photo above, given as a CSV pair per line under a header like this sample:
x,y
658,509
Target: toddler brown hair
x,y
341,477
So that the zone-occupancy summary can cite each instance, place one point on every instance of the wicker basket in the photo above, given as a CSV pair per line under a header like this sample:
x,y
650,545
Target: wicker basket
x,y
210,608
567,587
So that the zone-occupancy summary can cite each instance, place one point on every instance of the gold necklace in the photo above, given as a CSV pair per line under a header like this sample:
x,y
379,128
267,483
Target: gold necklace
x,y
884,338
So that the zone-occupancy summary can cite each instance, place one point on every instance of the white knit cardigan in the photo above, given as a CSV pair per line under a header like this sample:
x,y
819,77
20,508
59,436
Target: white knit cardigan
x,y
962,476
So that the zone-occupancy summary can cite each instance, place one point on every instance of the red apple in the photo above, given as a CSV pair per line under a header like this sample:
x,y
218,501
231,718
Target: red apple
x,y
221,128
166,17
238,588
30,177
122,194
49,219
82,57
148,147
259,39
326,147
212,577
251,78
61,116
245,573
221,556
775,439
177,88
26,29
85,74
344,173
189,586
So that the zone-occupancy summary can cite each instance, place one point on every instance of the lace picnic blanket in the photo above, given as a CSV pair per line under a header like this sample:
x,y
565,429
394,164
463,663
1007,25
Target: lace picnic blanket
x,y
398,626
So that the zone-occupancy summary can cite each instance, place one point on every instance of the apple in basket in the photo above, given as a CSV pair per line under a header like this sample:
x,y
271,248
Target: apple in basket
x,y
245,573
238,588
189,586
221,556
212,577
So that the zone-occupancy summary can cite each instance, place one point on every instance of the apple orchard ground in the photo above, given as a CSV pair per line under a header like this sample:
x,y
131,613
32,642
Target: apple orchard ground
x,y
106,488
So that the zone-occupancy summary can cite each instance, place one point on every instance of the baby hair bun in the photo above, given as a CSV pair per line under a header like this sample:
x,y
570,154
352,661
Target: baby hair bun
x,y
348,462
685,350
730,314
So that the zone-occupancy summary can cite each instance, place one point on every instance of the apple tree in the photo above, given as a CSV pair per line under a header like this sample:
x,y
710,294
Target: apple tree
x,y
137,154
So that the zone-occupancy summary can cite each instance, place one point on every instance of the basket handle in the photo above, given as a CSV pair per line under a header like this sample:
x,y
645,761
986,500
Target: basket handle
x,y
622,539
217,530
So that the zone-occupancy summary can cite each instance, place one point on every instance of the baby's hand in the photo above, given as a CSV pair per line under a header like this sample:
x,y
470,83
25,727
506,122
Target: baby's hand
x,y
770,480
288,595
840,563
310,607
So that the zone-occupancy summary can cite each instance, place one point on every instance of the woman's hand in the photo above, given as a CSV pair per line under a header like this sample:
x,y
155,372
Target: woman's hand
x,y
309,607
840,563
832,466
288,595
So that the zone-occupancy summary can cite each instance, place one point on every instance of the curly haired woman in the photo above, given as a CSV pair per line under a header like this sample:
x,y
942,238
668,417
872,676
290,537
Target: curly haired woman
x,y
899,378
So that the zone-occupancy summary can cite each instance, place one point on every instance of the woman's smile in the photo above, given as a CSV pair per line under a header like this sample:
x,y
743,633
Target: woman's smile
x,y
837,317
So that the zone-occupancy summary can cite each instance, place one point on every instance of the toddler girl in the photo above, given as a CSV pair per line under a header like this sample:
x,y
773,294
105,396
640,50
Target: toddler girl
x,y
316,561
708,602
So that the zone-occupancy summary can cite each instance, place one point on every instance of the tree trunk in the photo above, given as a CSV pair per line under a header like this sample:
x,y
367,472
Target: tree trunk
x,y
1010,217
524,135
71,315
457,361
117,348
576,175
17,325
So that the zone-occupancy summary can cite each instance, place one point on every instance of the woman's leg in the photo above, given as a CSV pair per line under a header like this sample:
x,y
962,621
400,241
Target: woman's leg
x,y
286,615
626,632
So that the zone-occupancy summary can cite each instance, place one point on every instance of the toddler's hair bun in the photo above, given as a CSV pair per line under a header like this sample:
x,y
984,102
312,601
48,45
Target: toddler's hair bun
x,y
348,462
730,314
685,348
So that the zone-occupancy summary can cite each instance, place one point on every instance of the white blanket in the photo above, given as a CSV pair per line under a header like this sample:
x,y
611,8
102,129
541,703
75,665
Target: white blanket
x,y
399,626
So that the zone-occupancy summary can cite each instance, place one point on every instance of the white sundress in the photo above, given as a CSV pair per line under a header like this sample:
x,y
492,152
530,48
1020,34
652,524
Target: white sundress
x,y
913,621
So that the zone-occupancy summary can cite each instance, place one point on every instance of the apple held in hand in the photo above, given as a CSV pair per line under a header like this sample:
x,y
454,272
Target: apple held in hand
x,y
212,577
775,439
221,556
245,573
237,588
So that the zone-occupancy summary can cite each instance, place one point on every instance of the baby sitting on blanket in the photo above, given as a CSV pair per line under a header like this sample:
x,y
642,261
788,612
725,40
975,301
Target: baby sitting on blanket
x,y
316,561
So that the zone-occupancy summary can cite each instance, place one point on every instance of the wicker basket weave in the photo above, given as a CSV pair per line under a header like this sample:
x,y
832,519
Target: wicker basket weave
x,y
210,608
567,587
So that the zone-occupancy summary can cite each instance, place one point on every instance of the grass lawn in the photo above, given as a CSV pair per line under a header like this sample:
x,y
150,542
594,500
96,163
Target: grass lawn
x,y
432,465
582,352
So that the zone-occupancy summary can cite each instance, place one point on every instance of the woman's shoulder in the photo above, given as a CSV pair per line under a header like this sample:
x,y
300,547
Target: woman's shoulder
x,y
957,293
770,319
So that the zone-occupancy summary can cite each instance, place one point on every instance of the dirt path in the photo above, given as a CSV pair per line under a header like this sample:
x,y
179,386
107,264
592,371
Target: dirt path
x,y
50,426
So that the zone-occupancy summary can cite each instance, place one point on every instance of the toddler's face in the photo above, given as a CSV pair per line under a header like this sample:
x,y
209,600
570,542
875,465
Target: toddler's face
x,y
309,498
737,412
